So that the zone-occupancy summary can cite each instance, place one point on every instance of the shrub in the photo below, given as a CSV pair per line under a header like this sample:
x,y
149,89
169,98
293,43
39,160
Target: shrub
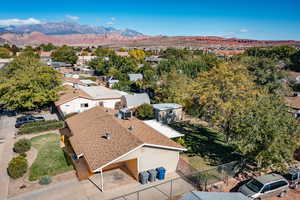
x,y
45,180
144,111
22,146
181,141
17,167
36,127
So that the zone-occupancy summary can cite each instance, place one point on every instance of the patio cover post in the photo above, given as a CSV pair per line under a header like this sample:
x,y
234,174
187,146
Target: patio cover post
x,y
101,180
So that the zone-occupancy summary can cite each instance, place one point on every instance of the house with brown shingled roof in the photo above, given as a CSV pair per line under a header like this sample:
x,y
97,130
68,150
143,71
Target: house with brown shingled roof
x,y
102,141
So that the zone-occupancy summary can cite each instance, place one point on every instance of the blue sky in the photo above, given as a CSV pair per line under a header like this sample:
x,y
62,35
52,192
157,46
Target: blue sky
x,y
254,19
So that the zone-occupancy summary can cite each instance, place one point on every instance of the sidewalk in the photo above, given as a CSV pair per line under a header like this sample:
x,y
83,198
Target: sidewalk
x,y
7,131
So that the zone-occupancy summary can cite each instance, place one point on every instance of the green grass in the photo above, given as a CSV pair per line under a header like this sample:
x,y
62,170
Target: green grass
x,y
51,159
206,148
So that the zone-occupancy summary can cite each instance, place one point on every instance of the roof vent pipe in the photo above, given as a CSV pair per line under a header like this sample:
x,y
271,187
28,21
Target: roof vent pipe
x,y
108,136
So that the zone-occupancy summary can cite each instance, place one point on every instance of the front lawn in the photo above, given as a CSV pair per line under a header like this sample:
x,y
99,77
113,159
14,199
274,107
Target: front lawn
x,y
51,159
206,147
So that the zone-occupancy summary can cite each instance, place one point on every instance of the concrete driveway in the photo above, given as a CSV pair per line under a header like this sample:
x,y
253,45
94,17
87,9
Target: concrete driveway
x,y
7,132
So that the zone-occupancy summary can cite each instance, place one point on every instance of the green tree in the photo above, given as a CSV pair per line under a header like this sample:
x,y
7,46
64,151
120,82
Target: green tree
x,y
266,133
218,94
4,53
295,62
47,47
175,88
144,112
265,71
26,83
65,54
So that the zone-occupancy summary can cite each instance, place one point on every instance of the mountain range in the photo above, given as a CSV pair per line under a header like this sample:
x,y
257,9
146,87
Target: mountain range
x,y
60,33
65,28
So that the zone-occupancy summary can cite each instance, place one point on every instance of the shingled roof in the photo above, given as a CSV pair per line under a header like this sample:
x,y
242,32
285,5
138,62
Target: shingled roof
x,y
69,93
89,128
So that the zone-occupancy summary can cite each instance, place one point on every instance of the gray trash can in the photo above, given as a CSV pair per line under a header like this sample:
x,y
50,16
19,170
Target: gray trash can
x,y
144,176
152,175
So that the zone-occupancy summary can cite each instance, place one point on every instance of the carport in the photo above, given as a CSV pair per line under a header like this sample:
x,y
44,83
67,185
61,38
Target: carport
x,y
116,174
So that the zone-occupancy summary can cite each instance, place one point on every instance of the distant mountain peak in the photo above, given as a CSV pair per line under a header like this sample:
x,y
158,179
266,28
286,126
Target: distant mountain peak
x,y
65,27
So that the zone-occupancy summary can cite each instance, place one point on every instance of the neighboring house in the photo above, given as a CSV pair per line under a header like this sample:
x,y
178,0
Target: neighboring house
x,y
81,98
84,70
111,82
135,77
294,104
45,56
134,100
121,53
167,112
153,59
102,141
74,82
83,60
197,195
4,62
107,97
58,64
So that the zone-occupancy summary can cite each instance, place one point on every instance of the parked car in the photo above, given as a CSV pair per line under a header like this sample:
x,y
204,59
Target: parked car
x,y
27,119
293,177
266,186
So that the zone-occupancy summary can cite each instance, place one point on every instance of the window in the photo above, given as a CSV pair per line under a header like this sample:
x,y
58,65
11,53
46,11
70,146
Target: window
x,y
277,184
266,189
254,185
84,105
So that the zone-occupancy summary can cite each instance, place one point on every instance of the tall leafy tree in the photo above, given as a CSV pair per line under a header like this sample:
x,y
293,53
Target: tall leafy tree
x,y
27,84
65,54
174,88
137,54
266,133
4,52
221,92
266,72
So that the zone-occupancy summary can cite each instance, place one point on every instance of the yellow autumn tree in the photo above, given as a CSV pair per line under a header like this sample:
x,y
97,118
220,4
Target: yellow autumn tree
x,y
222,93
137,54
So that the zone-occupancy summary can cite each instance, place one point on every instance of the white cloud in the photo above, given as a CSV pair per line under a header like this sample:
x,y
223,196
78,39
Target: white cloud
x,y
110,23
74,18
244,31
7,22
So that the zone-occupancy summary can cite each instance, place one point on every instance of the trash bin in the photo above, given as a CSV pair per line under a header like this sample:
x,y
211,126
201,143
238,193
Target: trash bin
x,y
161,172
143,177
152,175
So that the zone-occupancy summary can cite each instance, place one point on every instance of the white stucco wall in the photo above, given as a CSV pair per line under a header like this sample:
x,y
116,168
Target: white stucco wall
x,y
151,158
75,105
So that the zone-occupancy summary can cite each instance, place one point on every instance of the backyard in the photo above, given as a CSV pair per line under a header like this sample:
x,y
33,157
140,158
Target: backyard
x,y
51,159
206,148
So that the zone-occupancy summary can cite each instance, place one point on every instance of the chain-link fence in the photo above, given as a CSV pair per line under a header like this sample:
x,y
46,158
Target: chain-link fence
x,y
189,180
167,190
201,179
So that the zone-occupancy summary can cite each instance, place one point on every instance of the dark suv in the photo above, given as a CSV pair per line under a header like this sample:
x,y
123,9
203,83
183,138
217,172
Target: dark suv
x,y
27,119
293,177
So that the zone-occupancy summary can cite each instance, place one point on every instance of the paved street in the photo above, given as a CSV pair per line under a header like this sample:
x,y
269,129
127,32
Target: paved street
x,y
7,132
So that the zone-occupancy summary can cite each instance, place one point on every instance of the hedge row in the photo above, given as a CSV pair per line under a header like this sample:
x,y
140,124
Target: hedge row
x,y
41,126
38,123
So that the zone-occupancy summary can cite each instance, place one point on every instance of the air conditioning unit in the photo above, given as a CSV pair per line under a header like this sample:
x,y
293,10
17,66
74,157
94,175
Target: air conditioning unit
x,y
125,113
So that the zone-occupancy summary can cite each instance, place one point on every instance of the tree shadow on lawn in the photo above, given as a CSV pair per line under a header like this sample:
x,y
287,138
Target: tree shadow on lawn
x,y
206,143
